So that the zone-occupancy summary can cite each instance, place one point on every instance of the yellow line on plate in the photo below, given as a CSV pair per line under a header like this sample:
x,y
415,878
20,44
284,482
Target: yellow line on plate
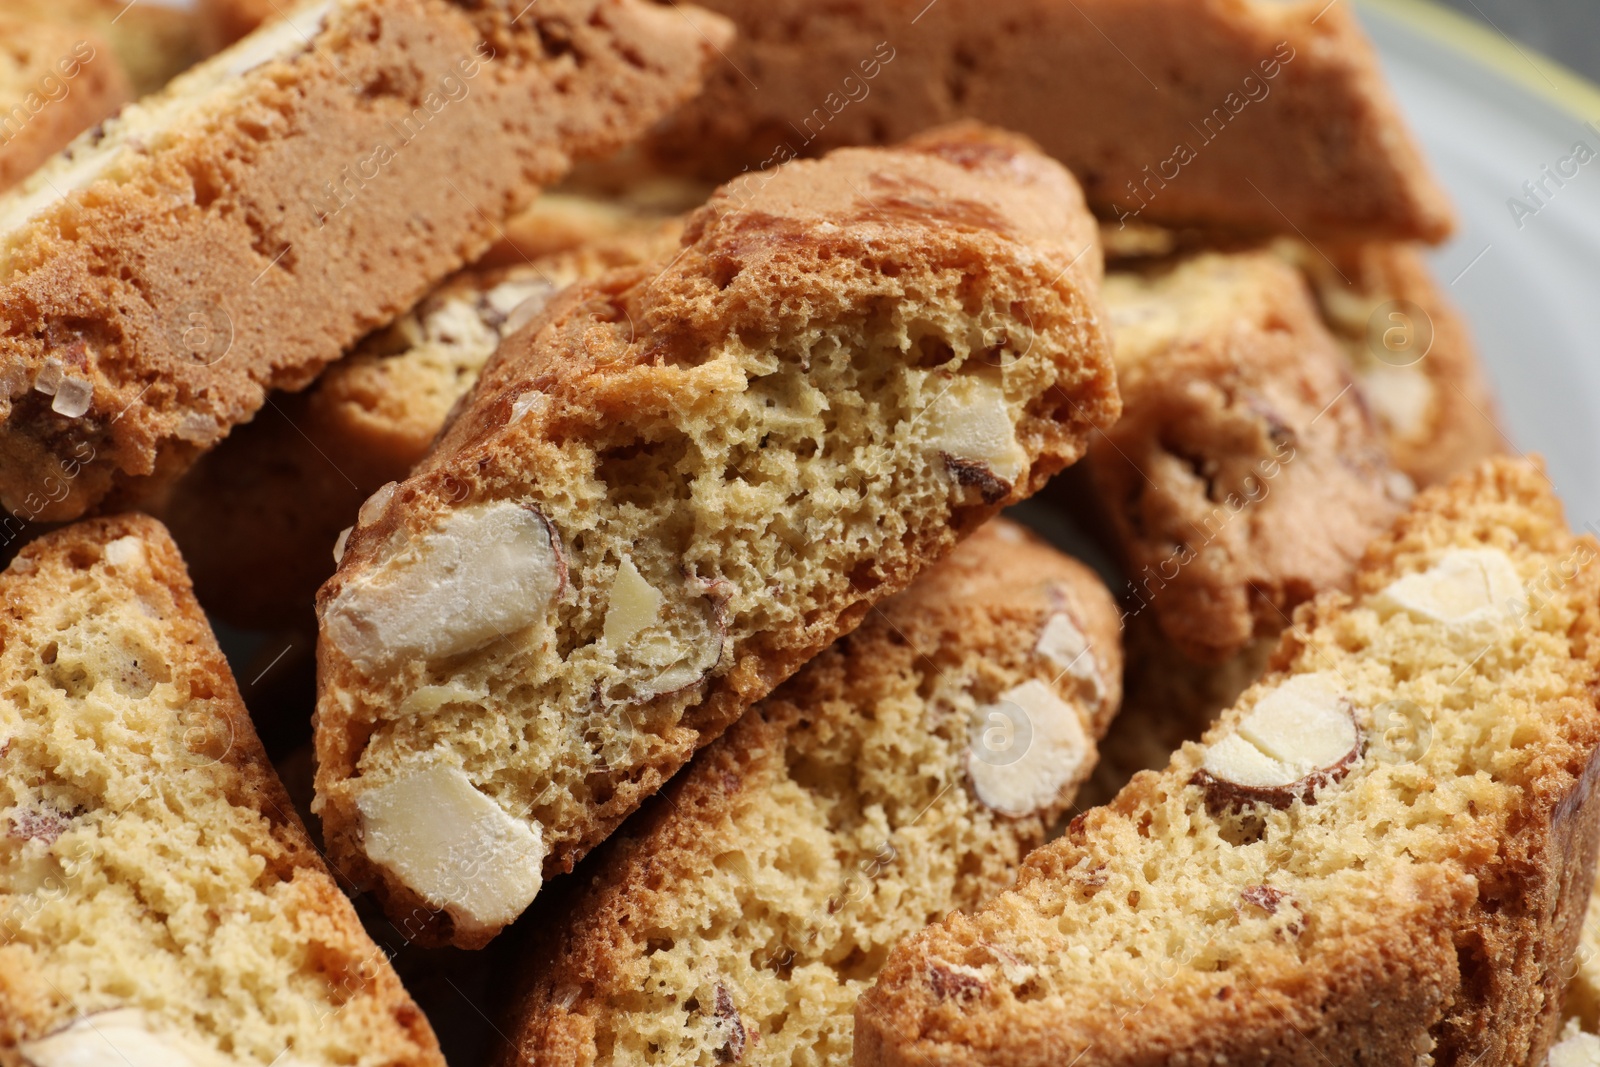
x,y
1548,80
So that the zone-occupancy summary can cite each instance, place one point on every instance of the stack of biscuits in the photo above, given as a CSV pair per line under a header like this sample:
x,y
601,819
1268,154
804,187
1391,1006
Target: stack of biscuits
x,y
599,532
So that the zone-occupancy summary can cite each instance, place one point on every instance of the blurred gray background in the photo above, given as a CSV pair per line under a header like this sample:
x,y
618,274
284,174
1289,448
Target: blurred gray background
x,y
1567,30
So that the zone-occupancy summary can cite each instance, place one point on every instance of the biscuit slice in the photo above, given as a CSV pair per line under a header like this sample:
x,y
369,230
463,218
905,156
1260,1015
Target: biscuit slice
x,y
1381,854
1413,355
903,773
160,901
259,517
680,484
241,229
54,84
154,42
1245,475
1267,117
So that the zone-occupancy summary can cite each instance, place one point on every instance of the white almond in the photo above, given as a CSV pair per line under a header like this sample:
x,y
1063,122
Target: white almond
x,y
635,604
122,1038
970,422
1466,586
1298,736
1024,749
125,552
1576,1050
483,572
1401,397
1064,645
453,846
427,699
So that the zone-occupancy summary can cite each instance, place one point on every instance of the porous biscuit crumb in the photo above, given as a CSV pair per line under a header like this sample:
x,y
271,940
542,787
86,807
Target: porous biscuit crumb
x,y
739,917
238,231
844,369
1417,903
160,902
258,518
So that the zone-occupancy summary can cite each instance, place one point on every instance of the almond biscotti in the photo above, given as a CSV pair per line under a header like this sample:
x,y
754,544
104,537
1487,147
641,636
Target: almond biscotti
x,y
55,83
903,773
243,228
1232,114
154,42
1380,855
1413,355
1245,475
679,484
160,902
259,517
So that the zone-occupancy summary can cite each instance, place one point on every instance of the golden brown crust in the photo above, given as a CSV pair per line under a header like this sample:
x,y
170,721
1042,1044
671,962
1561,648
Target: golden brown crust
x,y
1451,949
55,82
68,590
268,249
258,517
619,416
1280,111
860,733
1245,476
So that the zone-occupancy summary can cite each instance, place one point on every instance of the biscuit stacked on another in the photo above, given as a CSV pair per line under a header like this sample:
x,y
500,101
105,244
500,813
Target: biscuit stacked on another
x,y
1380,855
1245,475
259,518
154,42
901,774
694,476
160,902
55,82
240,230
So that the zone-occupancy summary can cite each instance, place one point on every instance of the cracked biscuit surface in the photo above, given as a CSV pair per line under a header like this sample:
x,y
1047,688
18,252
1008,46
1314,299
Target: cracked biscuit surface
x,y
239,230
1413,900
681,483
739,915
160,901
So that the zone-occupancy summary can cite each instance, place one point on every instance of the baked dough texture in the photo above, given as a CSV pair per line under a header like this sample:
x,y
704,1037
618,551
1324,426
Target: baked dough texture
x,y
1246,475
738,917
153,42
258,517
243,228
55,82
1231,114
687,479
160,901
1416,903
1412,352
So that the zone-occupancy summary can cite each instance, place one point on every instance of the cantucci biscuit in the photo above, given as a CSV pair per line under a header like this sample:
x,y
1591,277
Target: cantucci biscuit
x,y
901,774
1413,354
259,517
238,231
679,484
1231,114
160,902
55,82
1380,854
154,42
1245,475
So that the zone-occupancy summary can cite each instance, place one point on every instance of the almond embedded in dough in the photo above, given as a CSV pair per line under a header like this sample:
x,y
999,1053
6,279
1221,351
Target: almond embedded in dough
x,y
453,846
482,573
1299,736
1466,586
121,1038
635,604
1025,748
969,422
